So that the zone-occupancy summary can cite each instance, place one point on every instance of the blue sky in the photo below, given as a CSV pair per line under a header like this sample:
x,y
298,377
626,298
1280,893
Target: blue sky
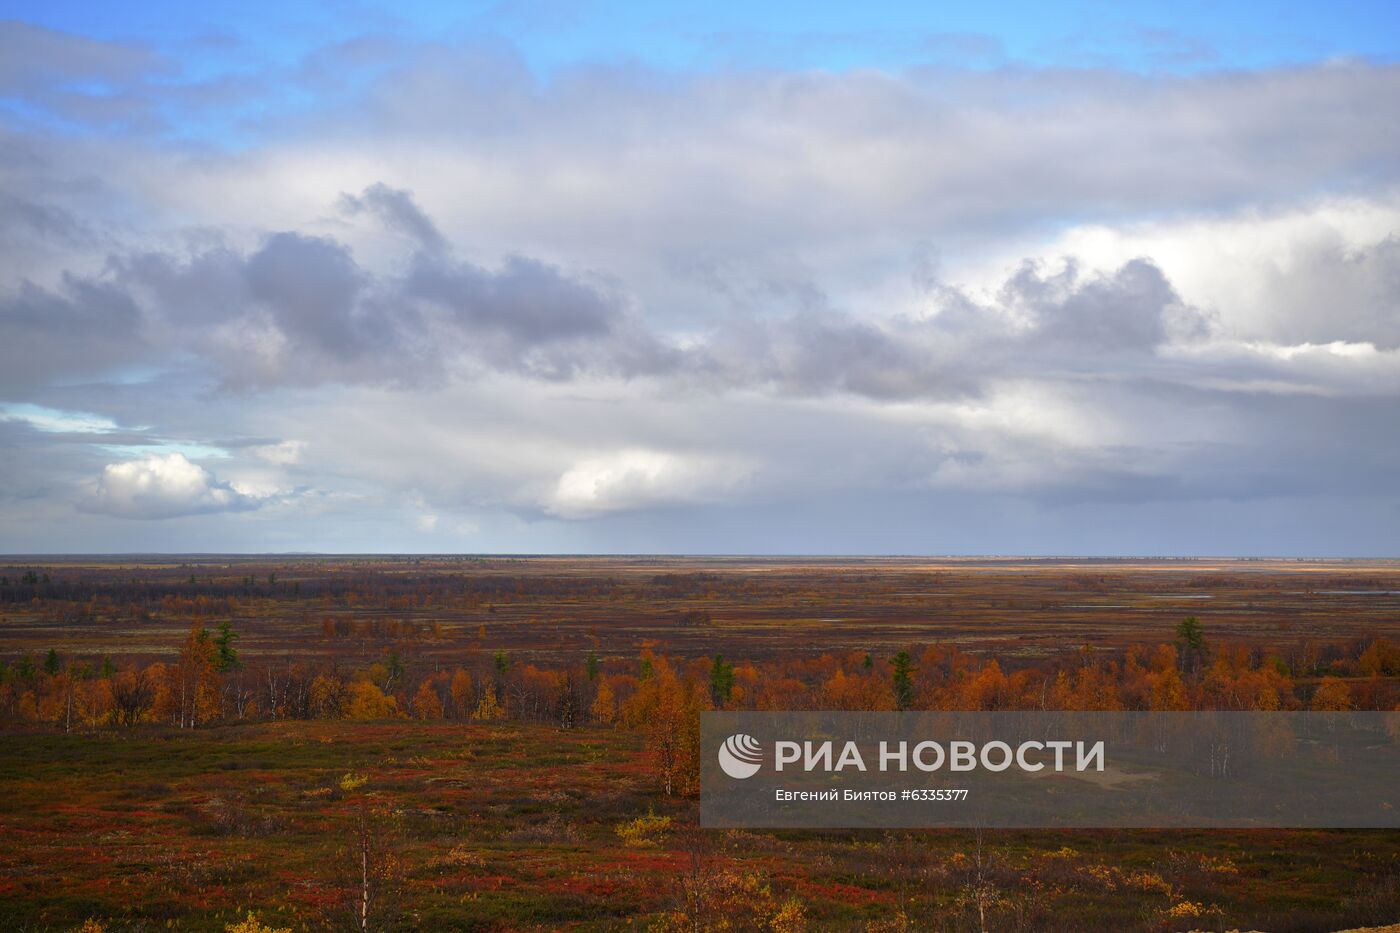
x,y
1093,278
1170,36
686,35
224,40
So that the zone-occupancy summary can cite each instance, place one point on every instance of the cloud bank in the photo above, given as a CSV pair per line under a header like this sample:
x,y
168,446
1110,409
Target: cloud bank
x,y
412,295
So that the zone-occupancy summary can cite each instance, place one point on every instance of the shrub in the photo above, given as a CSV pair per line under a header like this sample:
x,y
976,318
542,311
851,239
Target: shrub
x,y
251,924
644,831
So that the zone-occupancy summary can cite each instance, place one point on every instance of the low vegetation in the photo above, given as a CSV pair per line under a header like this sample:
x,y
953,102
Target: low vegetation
x,y
424,770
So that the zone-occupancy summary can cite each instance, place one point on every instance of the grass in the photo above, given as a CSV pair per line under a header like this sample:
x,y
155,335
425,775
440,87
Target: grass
x,y
516,827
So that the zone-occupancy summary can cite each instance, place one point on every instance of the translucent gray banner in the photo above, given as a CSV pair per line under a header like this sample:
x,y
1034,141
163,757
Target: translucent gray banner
x,y
1050,769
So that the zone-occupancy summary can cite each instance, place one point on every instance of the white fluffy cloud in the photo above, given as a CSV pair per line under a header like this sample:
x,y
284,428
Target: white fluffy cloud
x,y
1323,270
635,479
162,487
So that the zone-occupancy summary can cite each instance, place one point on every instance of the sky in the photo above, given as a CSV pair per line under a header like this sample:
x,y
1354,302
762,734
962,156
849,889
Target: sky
x,y
548,277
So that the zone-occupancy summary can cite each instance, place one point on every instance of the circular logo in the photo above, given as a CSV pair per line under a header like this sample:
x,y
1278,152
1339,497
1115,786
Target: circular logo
x,y
741,756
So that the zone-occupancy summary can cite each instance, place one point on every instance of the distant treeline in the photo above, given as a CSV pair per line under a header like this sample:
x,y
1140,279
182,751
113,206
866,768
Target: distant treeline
x,y
208,682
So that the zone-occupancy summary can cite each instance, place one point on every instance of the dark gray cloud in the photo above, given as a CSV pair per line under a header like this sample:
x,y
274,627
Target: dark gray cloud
x,y
1040,323
1128,310
84,328
526,300
397,210
311,286
299,309
24,218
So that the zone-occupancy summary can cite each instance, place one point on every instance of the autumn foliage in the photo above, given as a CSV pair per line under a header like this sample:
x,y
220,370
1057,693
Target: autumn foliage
x,y
661,697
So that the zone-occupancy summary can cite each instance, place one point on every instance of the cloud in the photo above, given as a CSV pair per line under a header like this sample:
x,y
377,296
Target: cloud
x,y
1358,287
526,301
1131,309
397,211
301,310
554,309
282,453
1040,322
602,161
23,218
635,479
310,286
83,328
35,57
162,487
